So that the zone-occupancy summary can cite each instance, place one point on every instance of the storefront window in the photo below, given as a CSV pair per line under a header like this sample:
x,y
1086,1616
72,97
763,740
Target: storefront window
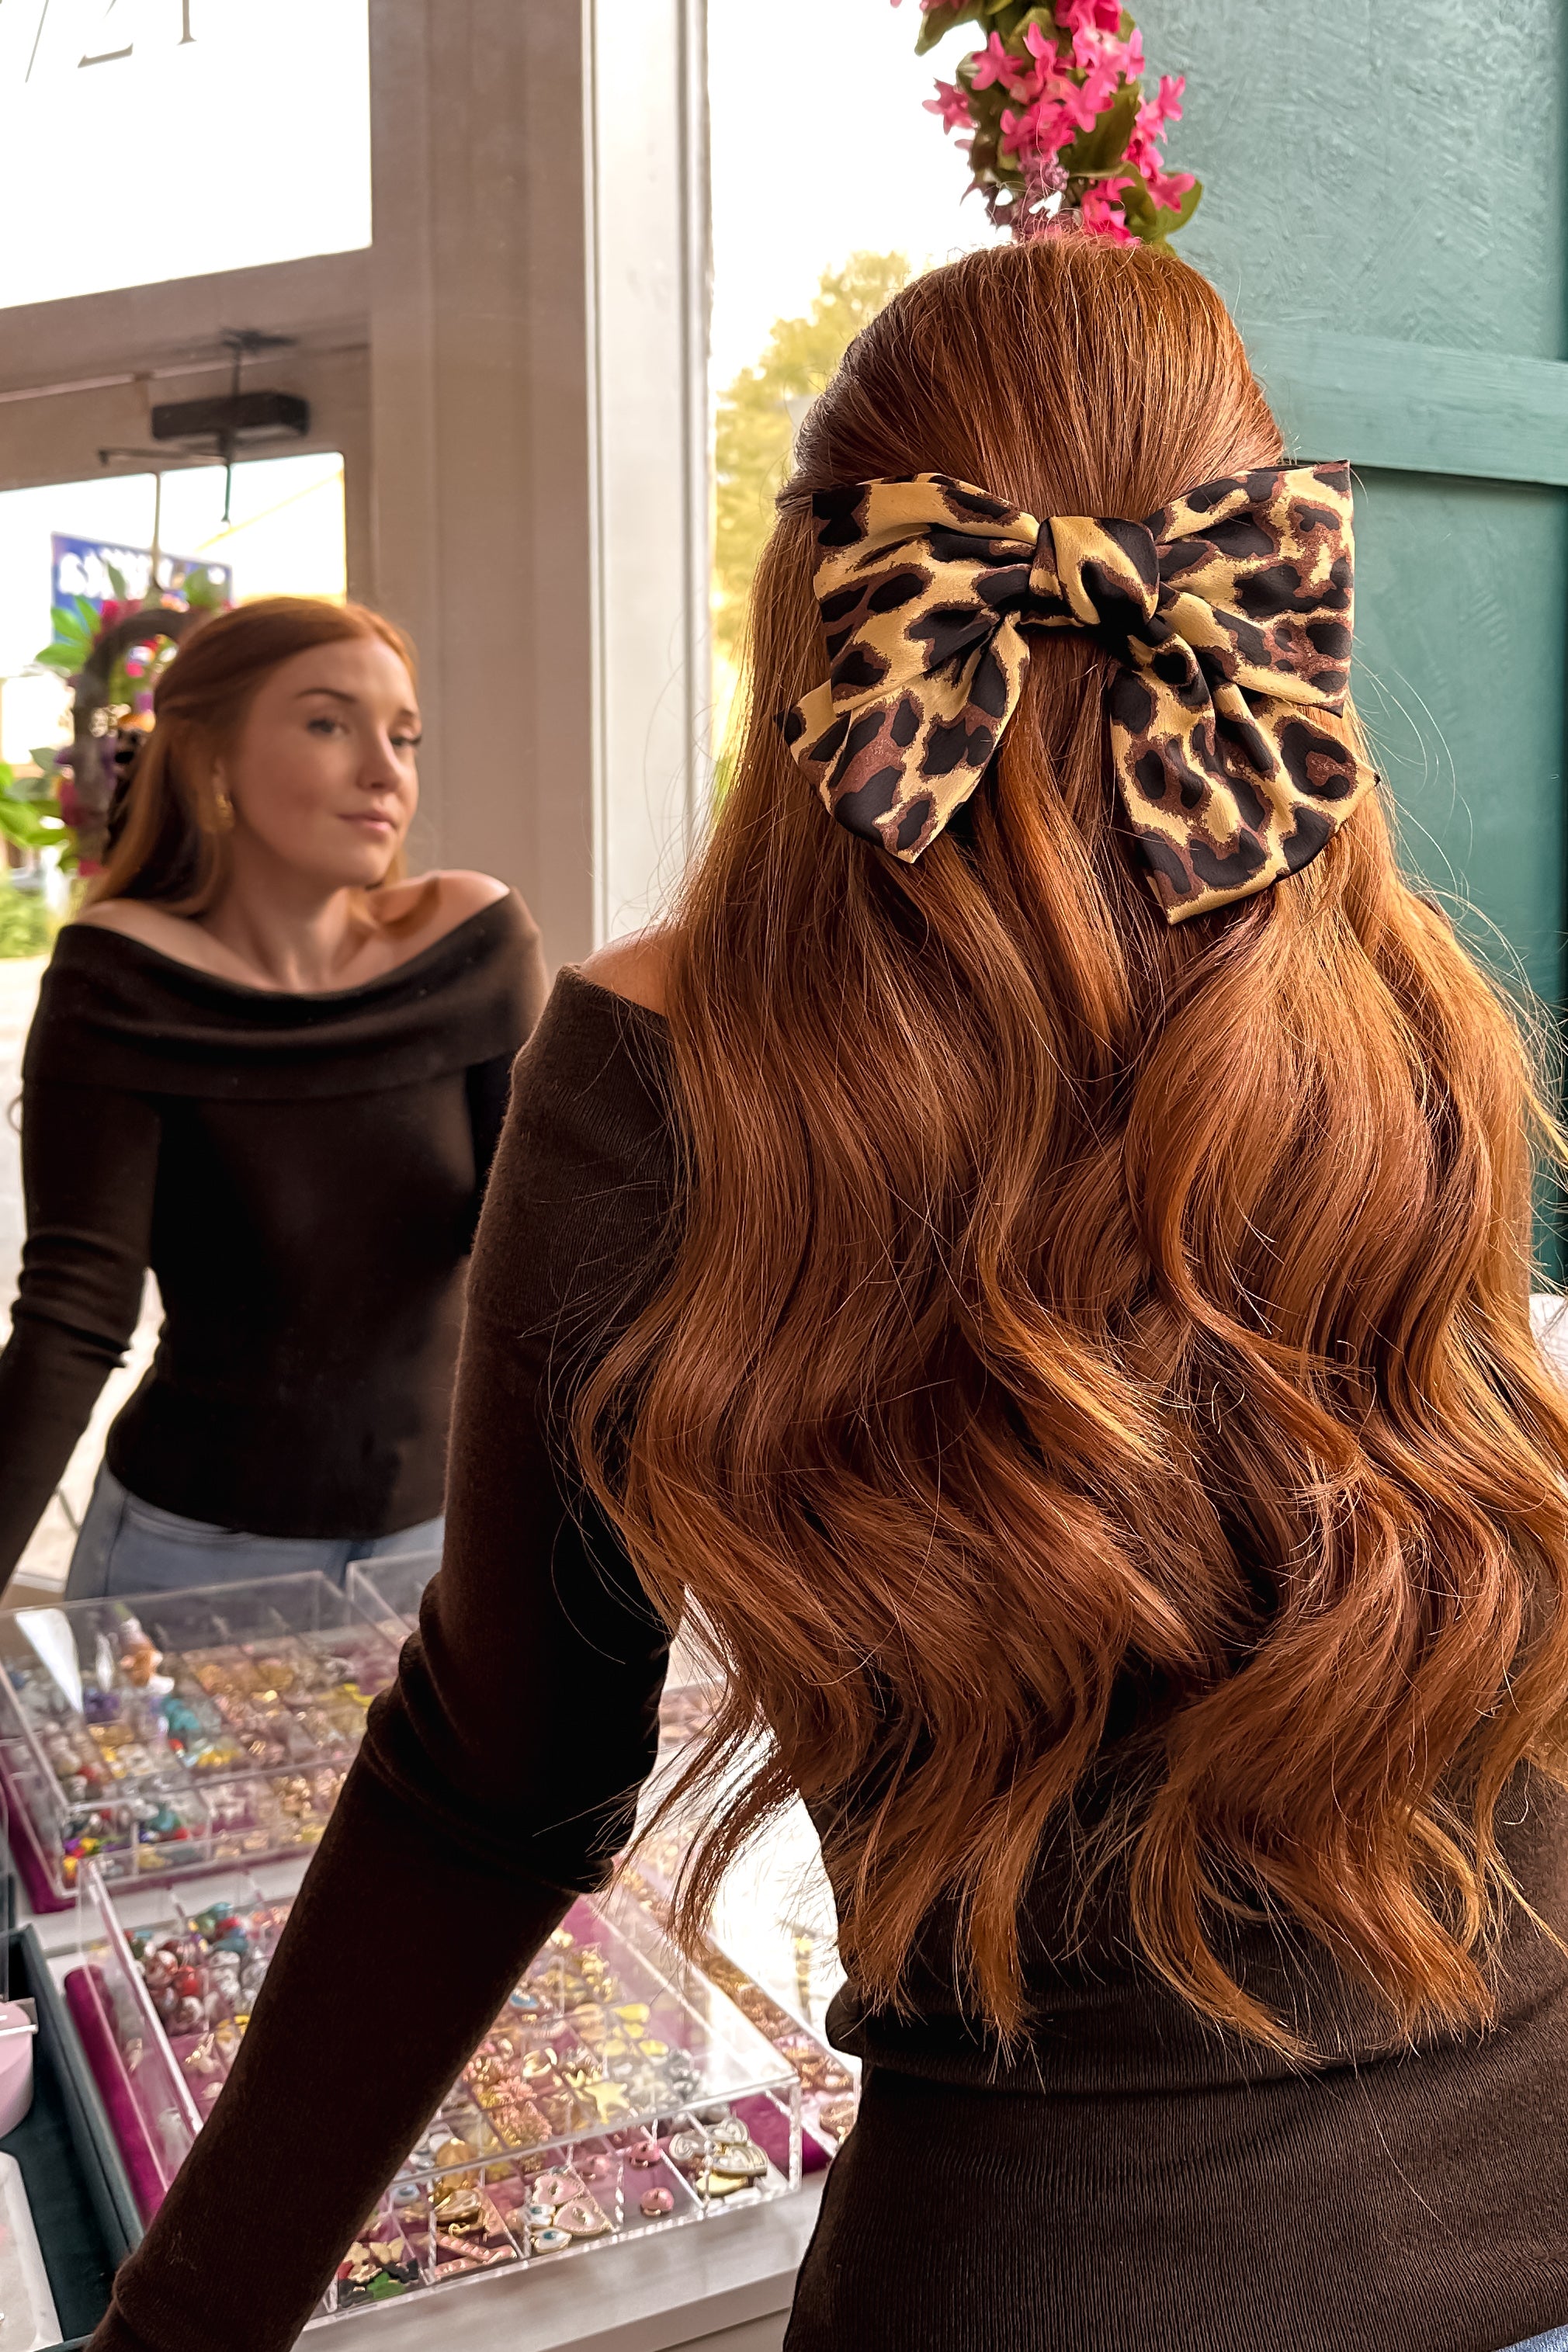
x,y
285,535
156,138
832,185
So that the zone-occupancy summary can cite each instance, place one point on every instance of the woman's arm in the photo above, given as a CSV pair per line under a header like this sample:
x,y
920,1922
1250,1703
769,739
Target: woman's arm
x,y
89,1163
498,1778
489,1083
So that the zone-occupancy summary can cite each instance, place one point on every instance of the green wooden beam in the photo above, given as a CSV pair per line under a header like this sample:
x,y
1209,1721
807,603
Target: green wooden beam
x,y
1414,409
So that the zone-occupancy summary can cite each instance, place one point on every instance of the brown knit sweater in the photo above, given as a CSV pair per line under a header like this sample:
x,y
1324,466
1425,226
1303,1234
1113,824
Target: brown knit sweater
x,y
303,1174
1134,2182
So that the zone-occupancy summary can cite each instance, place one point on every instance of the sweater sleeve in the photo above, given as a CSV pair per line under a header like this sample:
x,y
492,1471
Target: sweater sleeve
x,y
490,1788
90,1164
489,1083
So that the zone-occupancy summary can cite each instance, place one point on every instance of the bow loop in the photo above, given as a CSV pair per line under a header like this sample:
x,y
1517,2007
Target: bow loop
x,y
1228,615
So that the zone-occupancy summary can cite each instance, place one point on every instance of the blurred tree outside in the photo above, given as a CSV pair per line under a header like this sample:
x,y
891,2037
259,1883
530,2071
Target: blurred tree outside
x,y
754,431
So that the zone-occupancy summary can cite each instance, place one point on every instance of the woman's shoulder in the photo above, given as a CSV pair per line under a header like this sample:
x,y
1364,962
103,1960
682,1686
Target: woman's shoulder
x,y
411,919
636,968
432,904
602,1046
151,925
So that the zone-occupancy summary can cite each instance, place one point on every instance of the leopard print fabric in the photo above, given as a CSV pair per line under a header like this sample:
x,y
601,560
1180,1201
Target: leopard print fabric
x,y
1229,615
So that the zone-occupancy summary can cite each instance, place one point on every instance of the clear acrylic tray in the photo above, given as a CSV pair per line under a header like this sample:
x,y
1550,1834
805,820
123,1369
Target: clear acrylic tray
x,y
619,2091
829,2089
388,1592
182,1729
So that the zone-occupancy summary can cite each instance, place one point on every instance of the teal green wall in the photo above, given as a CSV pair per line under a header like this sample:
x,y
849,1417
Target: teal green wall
x,y
1462,596
1389,170
1385,209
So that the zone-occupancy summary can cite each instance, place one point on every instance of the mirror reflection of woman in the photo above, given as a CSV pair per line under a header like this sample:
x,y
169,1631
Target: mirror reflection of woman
x,y
273,1068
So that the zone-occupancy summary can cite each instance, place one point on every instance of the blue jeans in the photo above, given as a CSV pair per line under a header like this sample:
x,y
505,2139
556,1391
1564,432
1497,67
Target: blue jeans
x,y
1554,2340
128,1546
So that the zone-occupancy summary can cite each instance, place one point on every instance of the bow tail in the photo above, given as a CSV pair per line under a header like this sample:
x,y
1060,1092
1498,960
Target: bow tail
x,y
1227,792
894,765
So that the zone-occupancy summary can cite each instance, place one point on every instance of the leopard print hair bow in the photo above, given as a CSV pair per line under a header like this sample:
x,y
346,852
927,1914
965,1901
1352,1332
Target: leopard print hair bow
x,y
1228,614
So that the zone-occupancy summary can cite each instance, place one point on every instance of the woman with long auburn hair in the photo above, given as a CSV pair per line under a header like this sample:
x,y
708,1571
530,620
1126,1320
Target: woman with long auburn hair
x,y
1035,1274
270,1066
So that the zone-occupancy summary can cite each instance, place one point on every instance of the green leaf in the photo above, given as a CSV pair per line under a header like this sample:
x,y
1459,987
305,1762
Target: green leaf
x,y
1170,222
87,618
30,826
937,25
69,629
42,755
985,159
1138,211
1154,223
117,582
1094,152
66,659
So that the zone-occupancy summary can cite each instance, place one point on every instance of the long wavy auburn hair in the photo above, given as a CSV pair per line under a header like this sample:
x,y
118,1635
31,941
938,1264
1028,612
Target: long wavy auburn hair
x,y
169,836
1088,1342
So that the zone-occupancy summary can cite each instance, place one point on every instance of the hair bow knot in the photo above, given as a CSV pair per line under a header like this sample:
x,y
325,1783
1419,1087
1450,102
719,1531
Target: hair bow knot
x,y
1227,615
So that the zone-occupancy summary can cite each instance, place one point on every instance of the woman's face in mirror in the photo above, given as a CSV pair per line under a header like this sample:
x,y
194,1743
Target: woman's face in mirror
x,y
322,778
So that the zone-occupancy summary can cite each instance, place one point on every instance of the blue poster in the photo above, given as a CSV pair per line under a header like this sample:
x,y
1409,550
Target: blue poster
x,y
80,567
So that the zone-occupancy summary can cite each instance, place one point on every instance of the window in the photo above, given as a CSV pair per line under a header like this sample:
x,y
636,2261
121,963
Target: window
x,y
156,138
831,184
285,536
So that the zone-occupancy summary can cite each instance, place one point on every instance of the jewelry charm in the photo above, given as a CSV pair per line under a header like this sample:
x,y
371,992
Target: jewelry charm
x,y
584,2218
550,2240
557,2187
655,2202
457,2211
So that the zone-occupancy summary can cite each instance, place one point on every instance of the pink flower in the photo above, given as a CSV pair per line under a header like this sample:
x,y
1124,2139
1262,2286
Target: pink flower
x,y
1090,16
1101,85
1168,188
1167,107
952,104
1040,44
995,63
1100,213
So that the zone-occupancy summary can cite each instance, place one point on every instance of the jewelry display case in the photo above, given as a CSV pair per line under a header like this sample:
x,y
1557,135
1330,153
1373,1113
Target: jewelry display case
x,y
618,2092
387,1591
181,1729
829,2086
